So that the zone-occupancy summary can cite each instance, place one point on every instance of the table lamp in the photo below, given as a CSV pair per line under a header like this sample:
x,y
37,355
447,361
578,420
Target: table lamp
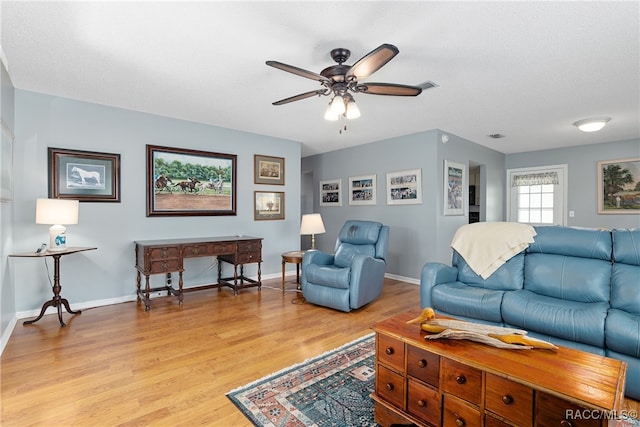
x,y
57,212
312,224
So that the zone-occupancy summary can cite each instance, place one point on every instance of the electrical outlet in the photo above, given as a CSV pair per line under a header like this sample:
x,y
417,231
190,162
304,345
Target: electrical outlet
x,y
572,214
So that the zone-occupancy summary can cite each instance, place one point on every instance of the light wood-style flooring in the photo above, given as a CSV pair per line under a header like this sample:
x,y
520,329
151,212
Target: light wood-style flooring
x,y
171,366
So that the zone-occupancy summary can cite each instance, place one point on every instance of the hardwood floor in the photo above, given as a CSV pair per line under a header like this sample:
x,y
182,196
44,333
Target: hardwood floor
x,y
171,366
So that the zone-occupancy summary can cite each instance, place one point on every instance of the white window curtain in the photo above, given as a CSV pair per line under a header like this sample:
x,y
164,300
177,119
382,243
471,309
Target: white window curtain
x,y
535,179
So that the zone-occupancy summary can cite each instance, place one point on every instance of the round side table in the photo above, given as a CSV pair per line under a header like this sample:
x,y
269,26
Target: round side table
x,y
294,257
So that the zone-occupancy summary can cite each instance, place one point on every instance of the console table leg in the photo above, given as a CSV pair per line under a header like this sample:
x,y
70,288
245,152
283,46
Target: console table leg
x,y
139,289
44,308
180,295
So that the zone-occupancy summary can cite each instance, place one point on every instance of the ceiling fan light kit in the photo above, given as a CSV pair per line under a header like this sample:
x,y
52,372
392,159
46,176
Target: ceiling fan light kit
x,y
341,81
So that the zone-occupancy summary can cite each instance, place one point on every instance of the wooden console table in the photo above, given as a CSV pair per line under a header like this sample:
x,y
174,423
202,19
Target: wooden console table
x,y
464,383
167,256
57,301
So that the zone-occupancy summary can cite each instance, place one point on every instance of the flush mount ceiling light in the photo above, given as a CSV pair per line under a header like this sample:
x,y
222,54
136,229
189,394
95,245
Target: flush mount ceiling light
x,y
593,124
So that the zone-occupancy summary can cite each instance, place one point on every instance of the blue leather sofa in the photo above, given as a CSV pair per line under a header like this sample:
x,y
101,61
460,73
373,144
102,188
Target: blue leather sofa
x,y
575,287
353,276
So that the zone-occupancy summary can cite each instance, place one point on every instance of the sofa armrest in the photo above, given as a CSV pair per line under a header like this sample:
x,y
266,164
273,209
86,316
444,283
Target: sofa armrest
x,y
317,257
434,273
367,279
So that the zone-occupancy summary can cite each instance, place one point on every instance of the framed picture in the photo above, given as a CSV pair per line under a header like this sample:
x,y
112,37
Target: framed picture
x,y
404,187
455,184
6,164
183,182
619,186
268,170
331,192
268,205
362,190
86,176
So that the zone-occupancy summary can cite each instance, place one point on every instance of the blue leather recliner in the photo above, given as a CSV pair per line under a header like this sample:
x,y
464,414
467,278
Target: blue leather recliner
x,y
354,275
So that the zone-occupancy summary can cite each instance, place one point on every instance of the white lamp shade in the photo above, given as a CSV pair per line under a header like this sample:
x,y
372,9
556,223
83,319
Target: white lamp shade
x,y
337,105
353,112
56,211
312,224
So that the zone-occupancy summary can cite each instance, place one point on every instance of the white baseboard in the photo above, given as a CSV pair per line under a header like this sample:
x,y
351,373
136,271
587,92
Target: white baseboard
x,y
7,334
403,279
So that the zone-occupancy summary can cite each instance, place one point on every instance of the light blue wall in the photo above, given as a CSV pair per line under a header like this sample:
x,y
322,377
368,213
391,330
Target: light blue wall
x,y
7,292
582,168
108,274
418,233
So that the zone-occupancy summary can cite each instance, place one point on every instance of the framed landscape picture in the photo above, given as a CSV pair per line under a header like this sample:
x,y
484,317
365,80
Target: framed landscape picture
x,y
268,170
362,190
183,182
454,188
268,205
331,192
404,187
86,176
619,186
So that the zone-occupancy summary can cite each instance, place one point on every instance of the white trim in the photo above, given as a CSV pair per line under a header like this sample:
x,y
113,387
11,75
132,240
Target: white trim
x,y
402,278
7,334
3,58
564,187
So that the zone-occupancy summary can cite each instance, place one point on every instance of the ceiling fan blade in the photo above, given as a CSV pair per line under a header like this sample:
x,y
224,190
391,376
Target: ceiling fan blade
x,y
388,89
298,71
372,61
301,96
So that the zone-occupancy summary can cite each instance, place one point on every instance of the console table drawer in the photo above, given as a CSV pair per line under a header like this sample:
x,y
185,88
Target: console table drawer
x,y
509,399
165,266
162,253
253,246
423,402
553,411
423,365
390,386
390,352
248,257
462,381
459,413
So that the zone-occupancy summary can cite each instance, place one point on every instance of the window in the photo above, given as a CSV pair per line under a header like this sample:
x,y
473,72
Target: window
x,y
537,195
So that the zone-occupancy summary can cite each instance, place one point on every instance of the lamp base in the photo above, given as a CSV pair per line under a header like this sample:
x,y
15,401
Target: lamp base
x,y
57,238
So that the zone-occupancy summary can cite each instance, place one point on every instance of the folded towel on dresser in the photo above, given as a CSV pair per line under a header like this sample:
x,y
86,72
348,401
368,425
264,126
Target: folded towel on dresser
x,y
486,246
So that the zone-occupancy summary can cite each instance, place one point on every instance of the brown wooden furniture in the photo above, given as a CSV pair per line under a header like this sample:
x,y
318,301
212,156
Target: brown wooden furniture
x,y
57,301
464,383
294,257
167,256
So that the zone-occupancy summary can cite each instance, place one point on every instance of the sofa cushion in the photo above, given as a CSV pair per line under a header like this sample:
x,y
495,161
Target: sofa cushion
x,y
360,232
571,320
625,288
328,275
567,277
508,277
623,332
346,251
572,241
462,300
626,246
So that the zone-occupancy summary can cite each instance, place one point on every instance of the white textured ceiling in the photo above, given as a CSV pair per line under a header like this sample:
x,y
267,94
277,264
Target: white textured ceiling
x,y
527,70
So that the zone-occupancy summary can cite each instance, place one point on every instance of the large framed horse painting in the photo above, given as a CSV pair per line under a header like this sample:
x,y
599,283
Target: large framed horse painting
x,y
184,182
87,176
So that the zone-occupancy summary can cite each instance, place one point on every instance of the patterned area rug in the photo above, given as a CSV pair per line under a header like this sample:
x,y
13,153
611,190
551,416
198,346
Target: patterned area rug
x,y
329,390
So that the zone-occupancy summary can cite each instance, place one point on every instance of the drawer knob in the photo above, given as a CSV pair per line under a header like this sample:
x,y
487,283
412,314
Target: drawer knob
x,y
566,423
422,363
507,399
422,403
389,386
459,420
460,379
389,351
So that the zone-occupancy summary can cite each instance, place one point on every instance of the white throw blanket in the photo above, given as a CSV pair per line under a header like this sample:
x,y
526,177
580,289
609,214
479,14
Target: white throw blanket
x,y
486,246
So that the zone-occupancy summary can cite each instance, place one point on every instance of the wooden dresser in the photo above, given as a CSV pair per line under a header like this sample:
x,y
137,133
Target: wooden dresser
x,y
463,383
167,256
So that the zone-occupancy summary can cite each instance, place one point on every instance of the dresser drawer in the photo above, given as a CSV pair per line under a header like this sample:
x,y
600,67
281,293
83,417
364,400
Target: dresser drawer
x,y
553,411
390,351
423,365
390,386
423,402
509,399
458,413
462,381
491,421
164,266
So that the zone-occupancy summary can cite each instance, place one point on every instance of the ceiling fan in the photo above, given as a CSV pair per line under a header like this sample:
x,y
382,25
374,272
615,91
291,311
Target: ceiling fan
x,y
341,80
